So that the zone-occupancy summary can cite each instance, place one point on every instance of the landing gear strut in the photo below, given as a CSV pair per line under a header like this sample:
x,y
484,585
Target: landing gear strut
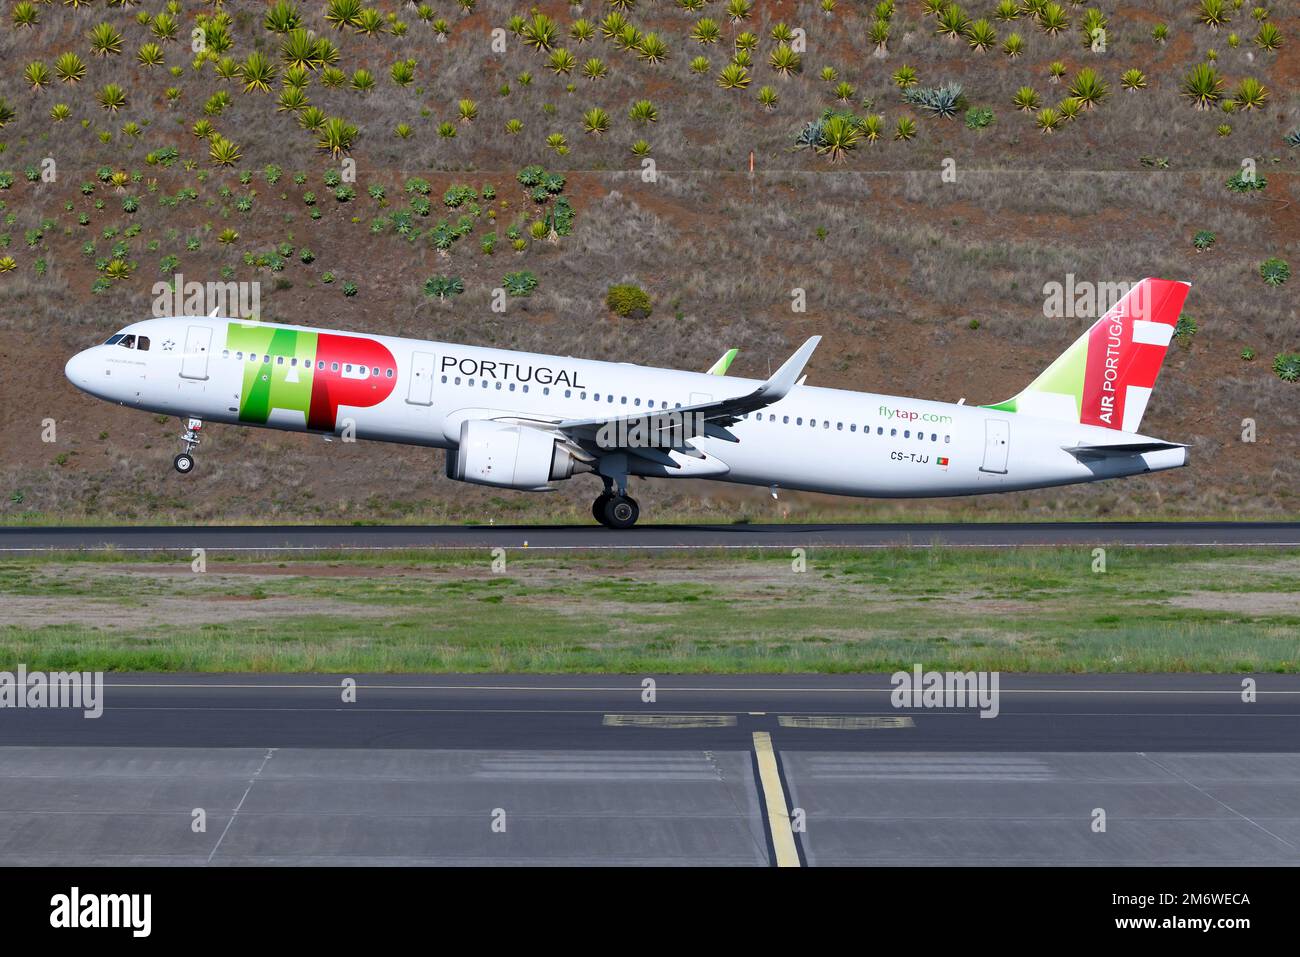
x,y
184,463
615,509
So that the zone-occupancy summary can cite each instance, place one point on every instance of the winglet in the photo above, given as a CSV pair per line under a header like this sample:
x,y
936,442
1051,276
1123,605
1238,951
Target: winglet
x,y
722,365
784,379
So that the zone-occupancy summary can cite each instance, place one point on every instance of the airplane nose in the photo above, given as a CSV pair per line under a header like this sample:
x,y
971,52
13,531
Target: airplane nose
x,y
78,369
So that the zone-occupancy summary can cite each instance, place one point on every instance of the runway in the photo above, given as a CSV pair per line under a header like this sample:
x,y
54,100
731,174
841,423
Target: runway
x,y
956,535
721,770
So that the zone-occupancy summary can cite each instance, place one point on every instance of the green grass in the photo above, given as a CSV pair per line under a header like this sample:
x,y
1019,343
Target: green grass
x,y
1011,610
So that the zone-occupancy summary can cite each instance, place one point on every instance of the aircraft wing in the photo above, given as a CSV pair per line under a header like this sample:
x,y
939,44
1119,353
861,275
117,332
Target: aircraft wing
x,y
720,412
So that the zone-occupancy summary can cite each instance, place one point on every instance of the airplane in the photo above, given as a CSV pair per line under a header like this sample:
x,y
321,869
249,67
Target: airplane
x,y
522,421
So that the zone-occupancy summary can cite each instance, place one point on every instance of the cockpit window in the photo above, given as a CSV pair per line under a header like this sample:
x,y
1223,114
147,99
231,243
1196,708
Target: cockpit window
x,y
128,342
142,343
112,340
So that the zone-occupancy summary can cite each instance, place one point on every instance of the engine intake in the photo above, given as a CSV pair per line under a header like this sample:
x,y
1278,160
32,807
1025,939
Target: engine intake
x,y
510,456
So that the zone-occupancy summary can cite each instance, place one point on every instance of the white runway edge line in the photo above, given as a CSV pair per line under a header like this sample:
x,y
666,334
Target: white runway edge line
x,y
778,810
1236,692
635,548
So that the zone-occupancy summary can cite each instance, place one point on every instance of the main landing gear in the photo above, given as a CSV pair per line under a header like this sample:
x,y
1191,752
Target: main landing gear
x,y
184,463
615,509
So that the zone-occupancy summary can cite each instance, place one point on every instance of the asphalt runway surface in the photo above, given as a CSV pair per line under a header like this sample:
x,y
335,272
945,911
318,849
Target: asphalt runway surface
x,y
720,770
973,535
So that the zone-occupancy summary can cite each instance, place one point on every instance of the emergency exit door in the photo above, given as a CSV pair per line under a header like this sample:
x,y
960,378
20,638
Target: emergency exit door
x,y
997,444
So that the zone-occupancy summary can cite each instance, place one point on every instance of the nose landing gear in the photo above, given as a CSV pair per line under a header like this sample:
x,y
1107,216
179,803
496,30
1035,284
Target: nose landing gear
x,y
184,463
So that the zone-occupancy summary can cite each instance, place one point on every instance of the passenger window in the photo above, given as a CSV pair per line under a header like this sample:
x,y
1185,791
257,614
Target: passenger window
x,y
444,379
389,374
320,364
279,360
512,386
880,430
623,401
266,360
142,343
799,420
934,437
907,433
568,393
334,367
375,371
839,426
893,432
785,420
348,367
947,439
239,356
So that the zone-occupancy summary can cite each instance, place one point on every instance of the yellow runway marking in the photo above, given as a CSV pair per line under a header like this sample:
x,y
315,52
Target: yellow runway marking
x,y
844,722
669,720
778,813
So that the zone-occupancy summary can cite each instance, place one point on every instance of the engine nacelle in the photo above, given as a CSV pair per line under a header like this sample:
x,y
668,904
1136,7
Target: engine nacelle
x,y
509,456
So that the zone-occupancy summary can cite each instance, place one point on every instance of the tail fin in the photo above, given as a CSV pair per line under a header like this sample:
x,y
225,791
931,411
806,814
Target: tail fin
x,y
1106,377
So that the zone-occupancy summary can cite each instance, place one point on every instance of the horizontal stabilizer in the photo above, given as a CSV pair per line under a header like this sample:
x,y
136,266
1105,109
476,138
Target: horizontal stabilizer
x,y
1119,449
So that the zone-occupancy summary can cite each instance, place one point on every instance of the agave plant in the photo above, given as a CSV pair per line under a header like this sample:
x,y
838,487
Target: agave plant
x,y
739,10
37,74
363,81
312,119
336,136
700,65
342,13
468,111
1286,366
643,111
839,136
942,101
981,35
369,22
1269,38
540,32
1014,46
164,27
291,100
7,112
1025,99
879,37
873,127
612,25
258,73
595,121
1213,13
1070,108
581,31
594,68
705,31
150,55
904,77
440,287
282,17
767,98
403,72
905,129
1053,20
1250,94
25,15
1093,28
1274,271
733,77
1087,88
1203,85
111,97
1055,71
223,152
1133,80
1006,10
105,40
952,22
1048,120
299,50
561,62
784,59
69,68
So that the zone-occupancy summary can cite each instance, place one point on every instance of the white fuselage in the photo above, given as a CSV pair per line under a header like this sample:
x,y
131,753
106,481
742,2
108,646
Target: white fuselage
x,y
418,392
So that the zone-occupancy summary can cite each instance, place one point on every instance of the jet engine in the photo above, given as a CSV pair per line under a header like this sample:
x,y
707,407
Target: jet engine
x,y
510,456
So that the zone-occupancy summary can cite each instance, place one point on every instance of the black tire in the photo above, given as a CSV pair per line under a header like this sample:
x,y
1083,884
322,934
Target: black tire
x,y
621,512
183,463
598,507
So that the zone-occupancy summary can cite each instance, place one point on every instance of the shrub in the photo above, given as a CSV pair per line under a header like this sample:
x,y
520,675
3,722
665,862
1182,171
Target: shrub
x,y
519,283
628,301
1274,271
1286,366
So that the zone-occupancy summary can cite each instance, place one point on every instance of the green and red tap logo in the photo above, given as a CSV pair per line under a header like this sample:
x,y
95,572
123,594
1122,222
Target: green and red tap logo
x,y
313,373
